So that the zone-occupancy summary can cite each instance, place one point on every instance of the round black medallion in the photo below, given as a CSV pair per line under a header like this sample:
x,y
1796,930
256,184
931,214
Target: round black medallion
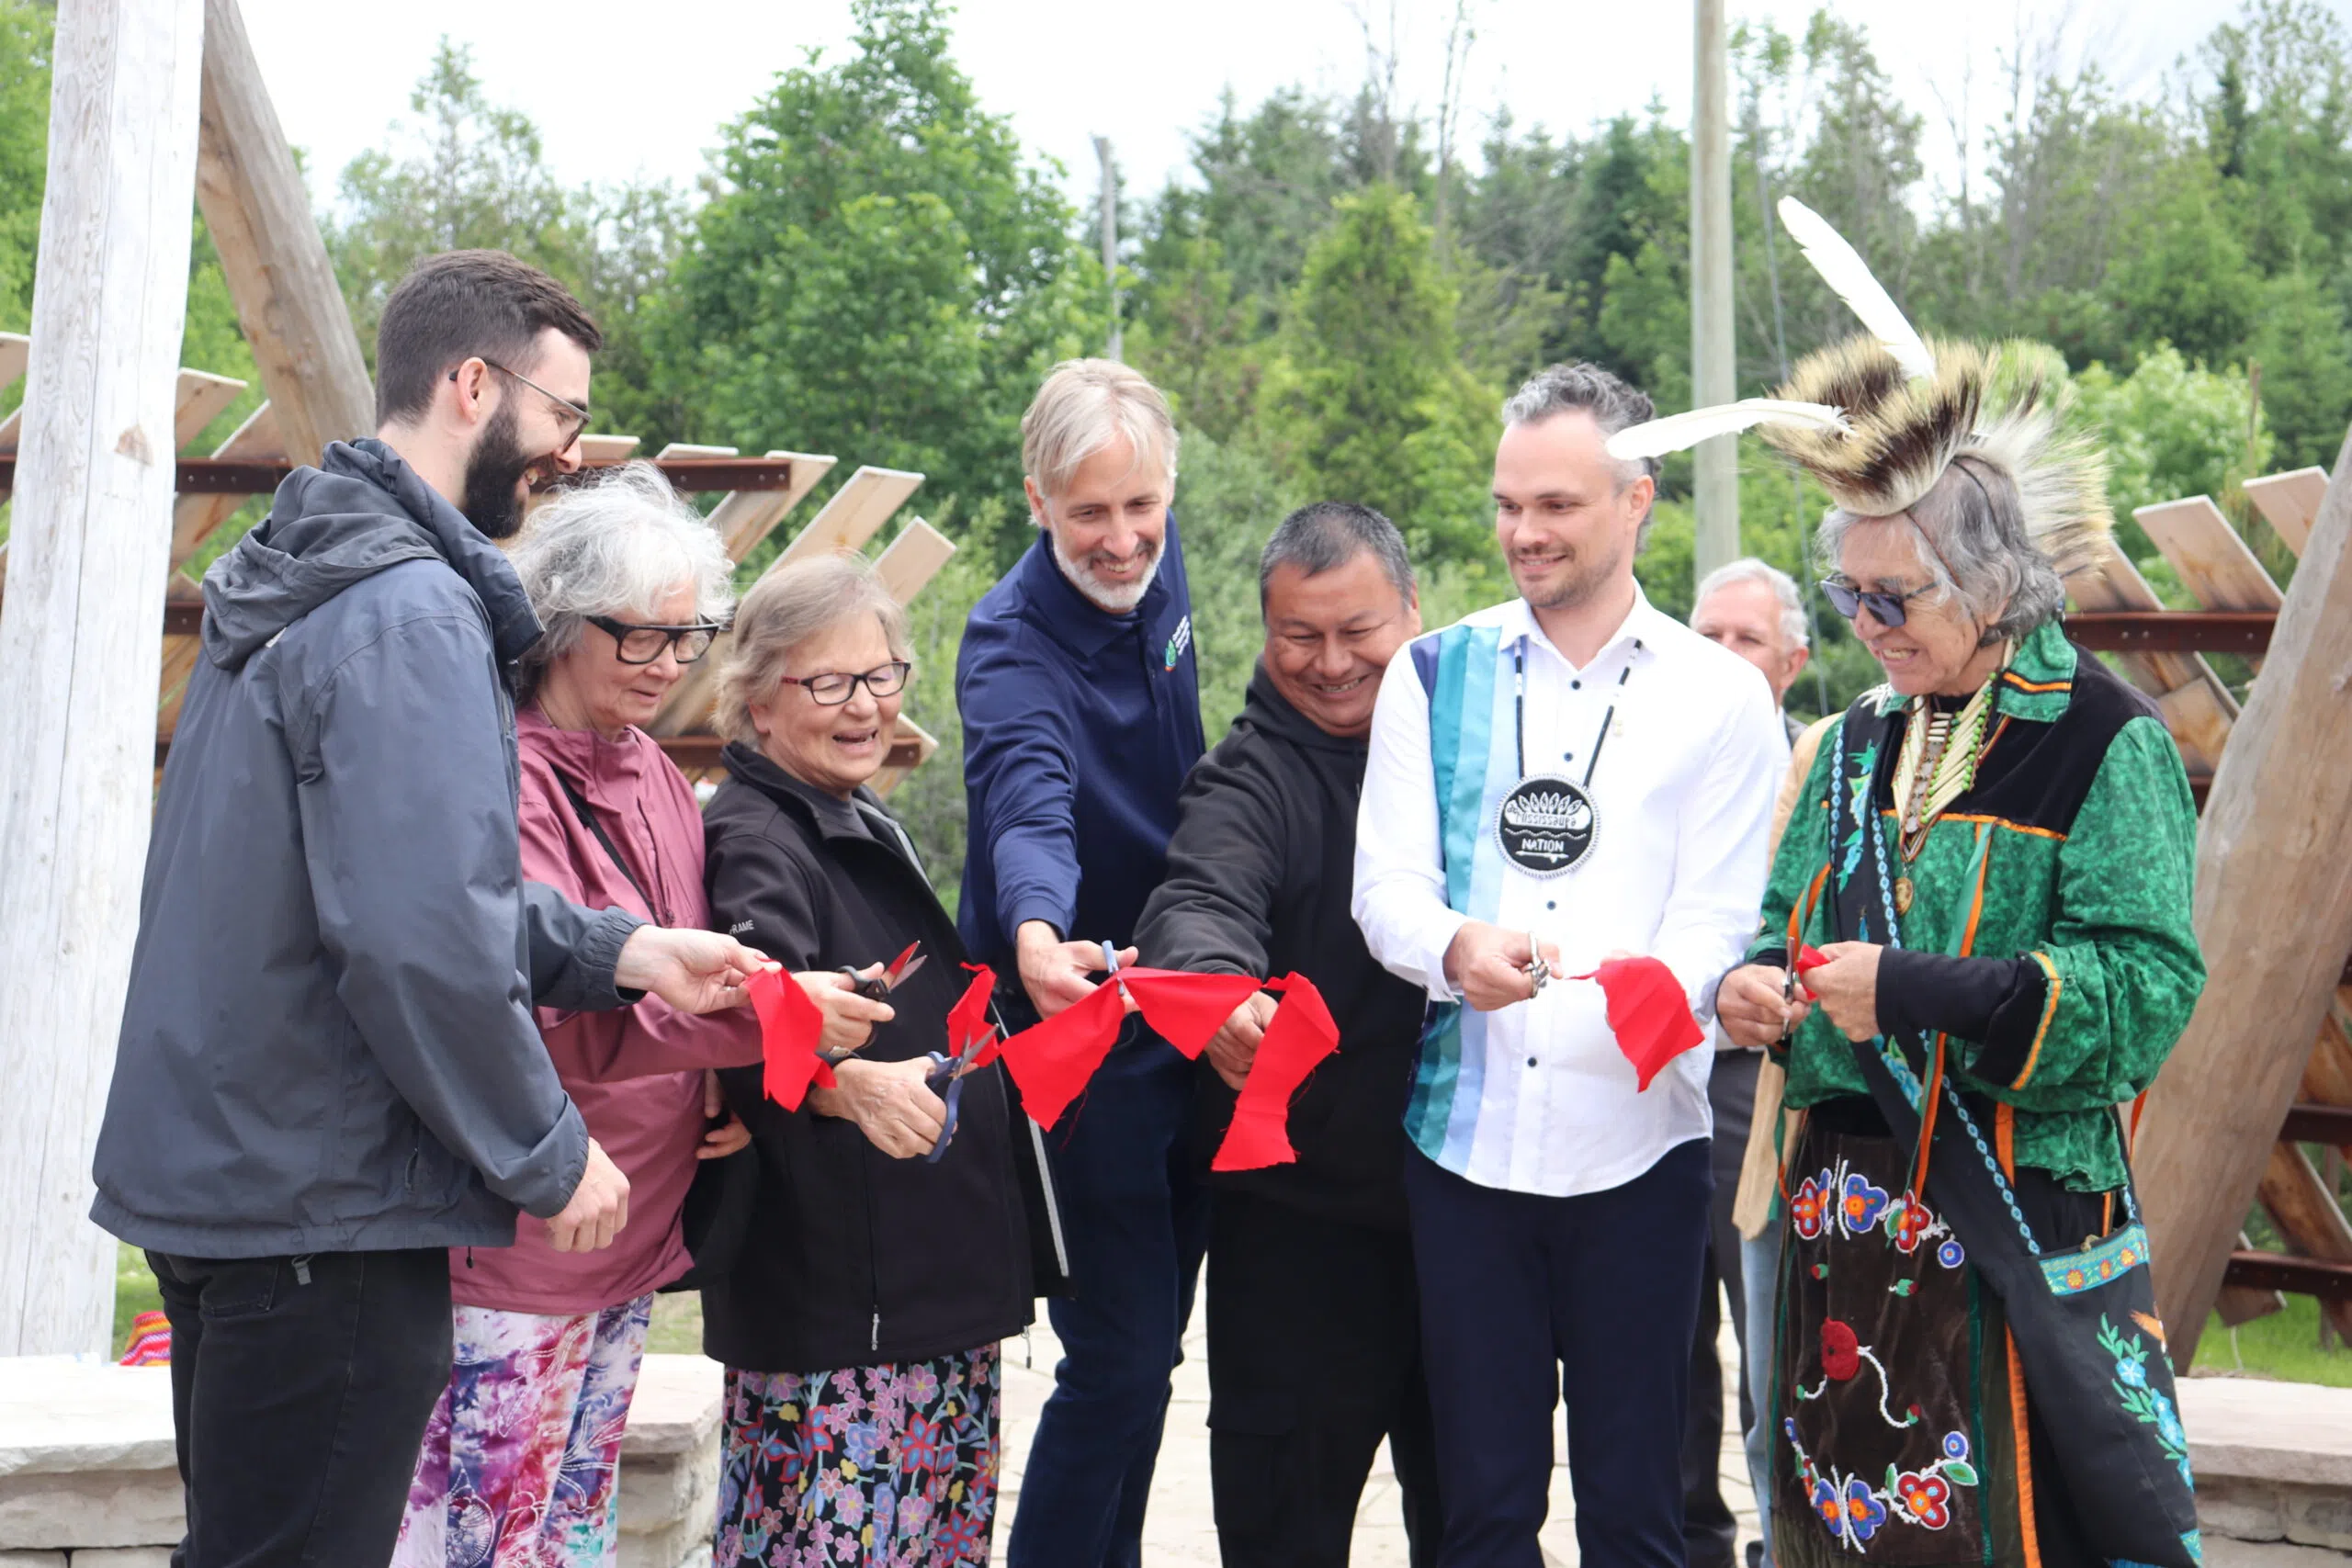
x,y
1547,825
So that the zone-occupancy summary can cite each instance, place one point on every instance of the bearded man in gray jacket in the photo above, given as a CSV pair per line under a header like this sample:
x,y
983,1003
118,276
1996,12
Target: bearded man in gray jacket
x,y
329,1073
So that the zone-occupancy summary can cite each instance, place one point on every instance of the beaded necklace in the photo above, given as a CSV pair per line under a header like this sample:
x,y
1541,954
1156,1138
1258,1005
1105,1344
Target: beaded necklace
x,y
1937,766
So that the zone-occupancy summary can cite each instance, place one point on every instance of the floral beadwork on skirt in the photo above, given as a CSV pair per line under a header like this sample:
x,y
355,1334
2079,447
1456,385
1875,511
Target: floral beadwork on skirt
x,y
522,1455
883,1466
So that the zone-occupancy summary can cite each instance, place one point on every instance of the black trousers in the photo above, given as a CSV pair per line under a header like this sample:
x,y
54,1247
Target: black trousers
x,y
1709,1534
300,1388
1314,1355
1525,1297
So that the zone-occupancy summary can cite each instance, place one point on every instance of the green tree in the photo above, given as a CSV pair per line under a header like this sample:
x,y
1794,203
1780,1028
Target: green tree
x,y
881,273
1369,400
27,31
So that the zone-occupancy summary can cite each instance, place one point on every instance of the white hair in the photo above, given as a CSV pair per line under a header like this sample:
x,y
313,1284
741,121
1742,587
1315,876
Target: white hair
x,y
616,543
1748,568
1082,406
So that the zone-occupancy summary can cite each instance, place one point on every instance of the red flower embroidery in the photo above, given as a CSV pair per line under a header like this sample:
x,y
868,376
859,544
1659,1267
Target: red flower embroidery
x,y
1840,1352
1925,1497
1912,1225
1806,1205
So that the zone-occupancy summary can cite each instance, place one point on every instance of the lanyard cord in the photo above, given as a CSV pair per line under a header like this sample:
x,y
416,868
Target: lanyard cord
x,y
1519,709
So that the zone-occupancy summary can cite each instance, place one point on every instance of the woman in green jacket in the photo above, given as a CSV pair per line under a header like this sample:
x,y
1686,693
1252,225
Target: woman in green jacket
x,y
1975,944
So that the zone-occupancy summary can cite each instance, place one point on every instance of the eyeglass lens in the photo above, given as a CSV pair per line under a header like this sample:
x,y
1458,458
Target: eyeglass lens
x,y
643,645
834,688
1848,601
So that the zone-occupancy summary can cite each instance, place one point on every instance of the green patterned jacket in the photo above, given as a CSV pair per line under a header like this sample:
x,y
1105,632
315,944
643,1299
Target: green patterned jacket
x,y
2060,966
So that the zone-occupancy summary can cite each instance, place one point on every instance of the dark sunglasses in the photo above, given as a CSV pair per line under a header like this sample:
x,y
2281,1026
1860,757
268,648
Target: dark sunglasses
x,y
834,688
1886,608
636,644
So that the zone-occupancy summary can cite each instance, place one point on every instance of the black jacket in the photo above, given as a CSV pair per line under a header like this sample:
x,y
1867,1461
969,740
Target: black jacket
x,y
1258,878
327,1044
853,1258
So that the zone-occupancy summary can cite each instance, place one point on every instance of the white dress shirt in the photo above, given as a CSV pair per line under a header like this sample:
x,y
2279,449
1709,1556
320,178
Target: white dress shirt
x,y
1541,1099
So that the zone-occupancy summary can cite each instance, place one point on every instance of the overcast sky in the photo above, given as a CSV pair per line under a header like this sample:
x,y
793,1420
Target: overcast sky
x,y
627,89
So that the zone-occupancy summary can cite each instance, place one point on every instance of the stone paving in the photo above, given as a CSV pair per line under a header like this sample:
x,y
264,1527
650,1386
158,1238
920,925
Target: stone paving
x,y
1178,1531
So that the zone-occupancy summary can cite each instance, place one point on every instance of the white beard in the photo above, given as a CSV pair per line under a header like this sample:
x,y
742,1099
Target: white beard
x,y
1117,598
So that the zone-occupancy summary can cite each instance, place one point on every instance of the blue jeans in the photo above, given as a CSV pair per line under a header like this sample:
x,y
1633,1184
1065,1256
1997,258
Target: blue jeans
x,y
1136,1220
1760,1268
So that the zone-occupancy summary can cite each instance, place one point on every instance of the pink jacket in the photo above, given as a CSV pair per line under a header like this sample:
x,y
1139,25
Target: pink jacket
x,y
635,1074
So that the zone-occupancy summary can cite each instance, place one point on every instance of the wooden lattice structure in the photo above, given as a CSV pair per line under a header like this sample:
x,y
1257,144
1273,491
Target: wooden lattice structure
x,y
2162,651
756,496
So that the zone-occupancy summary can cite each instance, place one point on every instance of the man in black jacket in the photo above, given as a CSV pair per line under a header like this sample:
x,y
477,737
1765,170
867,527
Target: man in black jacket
x,y
328,1074
1314,1324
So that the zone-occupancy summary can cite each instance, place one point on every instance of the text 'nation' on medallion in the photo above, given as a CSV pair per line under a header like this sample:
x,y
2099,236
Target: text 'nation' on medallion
x,y
1547,825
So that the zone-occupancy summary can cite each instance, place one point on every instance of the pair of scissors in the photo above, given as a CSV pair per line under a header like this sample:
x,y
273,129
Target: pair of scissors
x,y
1538,971
878,988
946,1080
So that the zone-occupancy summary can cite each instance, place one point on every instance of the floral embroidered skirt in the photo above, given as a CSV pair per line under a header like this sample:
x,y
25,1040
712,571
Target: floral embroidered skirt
x,y
881,1467
1897,1409
522,1456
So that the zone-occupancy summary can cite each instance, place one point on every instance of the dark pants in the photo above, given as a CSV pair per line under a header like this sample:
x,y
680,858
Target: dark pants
x,y
1137,1223
1524,1298
1314,1355
1710,1535
300,1392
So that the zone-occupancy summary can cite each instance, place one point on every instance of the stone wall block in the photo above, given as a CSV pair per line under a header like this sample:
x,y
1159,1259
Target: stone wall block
x,y
78,1508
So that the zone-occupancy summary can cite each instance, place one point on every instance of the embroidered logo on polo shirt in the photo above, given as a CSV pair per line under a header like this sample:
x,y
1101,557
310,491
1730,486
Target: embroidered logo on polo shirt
x,y
1180,642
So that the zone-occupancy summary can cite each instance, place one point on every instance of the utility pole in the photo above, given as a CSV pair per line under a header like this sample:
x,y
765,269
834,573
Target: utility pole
x,y
81,631
1110,235
1713,373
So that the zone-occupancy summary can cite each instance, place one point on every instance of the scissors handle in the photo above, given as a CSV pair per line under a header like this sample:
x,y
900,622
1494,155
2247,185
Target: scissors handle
x,y
874,988
952,1095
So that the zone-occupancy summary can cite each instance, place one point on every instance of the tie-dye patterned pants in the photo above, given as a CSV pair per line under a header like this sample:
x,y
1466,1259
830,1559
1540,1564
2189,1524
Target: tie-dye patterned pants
x,y
522,1456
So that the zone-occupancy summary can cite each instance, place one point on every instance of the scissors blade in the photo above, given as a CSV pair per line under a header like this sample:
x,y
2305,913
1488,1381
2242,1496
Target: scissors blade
x,y
898,972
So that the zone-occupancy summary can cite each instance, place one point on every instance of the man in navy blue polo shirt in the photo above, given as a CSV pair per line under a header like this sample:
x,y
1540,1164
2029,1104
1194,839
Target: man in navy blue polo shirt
x,y
1081,716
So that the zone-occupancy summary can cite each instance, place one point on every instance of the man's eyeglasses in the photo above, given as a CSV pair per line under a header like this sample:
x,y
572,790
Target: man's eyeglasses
x,y
636,644
1888,608
575,418
834,688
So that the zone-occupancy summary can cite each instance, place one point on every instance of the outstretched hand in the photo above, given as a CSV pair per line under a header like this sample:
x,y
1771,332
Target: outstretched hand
x,y
1490,964
692,970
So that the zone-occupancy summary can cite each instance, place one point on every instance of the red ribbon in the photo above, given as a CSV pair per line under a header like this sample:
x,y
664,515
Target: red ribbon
x,y
1648,1012
1053,1061
790,1027
968,1020
1810,958
1300,1035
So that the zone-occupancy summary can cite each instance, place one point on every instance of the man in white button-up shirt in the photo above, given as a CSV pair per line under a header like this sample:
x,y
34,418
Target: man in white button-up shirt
x,y
1573,776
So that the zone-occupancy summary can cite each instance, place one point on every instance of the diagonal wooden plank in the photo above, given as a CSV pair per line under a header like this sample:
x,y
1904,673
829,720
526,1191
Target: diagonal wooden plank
x,y
2198,708
194,517
893,773
688,449
744,517
16,349
2213,562
2305,1212
2289,502
913,558
855,513
607,448
201,397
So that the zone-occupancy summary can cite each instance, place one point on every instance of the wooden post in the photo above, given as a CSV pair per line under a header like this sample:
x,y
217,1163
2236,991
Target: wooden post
x,y
2273,915
81,632
1713,376
259,216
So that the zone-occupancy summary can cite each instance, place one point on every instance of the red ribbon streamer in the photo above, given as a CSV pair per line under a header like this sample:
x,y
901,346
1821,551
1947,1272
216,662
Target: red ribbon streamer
x,y
1648,1012
968,1020
1053,1061
790,1027
1300,1035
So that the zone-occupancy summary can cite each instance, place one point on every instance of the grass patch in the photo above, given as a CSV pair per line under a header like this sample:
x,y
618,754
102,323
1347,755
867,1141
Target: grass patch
x,y
676,1329
134,1293
2284,1346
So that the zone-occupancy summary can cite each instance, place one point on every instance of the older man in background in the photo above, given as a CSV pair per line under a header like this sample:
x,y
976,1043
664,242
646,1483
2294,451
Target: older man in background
x,y
1081,716
1314,1324
1753,609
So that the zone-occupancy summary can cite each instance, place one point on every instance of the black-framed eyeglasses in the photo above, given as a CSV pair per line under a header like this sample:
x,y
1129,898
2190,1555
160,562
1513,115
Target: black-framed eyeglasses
x,y
640,644
1887,608
576,417
834,688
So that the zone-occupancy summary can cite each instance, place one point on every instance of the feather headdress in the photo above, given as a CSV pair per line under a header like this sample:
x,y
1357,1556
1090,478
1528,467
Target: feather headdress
x,y
1879,418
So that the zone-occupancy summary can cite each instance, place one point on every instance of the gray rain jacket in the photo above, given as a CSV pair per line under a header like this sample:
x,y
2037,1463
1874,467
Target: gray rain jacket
x,y
327,1046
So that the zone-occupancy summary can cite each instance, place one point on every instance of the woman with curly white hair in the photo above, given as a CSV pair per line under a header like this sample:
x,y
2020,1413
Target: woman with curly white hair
x,y
519,1465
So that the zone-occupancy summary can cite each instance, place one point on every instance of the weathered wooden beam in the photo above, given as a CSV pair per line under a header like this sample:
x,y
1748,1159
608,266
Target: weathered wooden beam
x,y
912,560
2278,1271
2172,631
2273,912
2288,502
2240,1304
2304,1211
745,517
258,212
2199,709
80,632
909,749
